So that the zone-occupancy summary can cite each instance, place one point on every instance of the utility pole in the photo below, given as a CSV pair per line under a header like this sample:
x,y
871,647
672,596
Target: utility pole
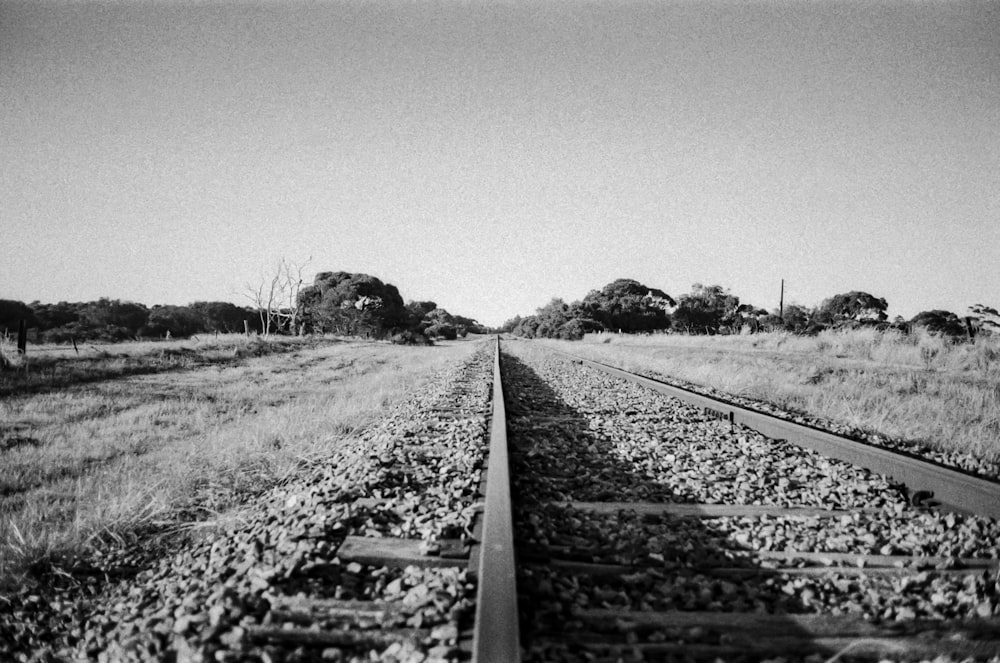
x,y
781,302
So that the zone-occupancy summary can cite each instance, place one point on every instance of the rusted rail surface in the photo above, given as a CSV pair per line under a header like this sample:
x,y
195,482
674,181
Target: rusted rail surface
x,y
948,487
496,637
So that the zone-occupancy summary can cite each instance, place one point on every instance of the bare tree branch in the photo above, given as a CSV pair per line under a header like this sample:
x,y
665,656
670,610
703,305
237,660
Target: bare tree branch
x,y
276,297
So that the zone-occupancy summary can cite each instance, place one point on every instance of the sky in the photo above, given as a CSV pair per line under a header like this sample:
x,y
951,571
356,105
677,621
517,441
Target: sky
x,y
490,156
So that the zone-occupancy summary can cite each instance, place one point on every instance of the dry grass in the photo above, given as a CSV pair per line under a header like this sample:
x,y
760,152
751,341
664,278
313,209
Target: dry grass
x,y
51,367
101,461
920,387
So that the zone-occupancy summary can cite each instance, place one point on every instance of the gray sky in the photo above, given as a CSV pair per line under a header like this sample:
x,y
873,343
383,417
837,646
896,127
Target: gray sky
x,y
491,156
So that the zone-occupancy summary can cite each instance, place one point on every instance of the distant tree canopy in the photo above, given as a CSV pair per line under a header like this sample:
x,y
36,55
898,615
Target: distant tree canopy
x,y
707,309
435,322
623,304
438,323
222,317
178,321
52,316
360,304
985,318
417,312
469,326
352,304
557,319
796,318
629,306
12,312
115,320
851,308
336,302
940,322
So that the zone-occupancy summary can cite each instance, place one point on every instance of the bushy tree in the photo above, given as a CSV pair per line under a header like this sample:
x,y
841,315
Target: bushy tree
x,y
941,322
526,327
557,319
706,310
50,316
623,304
510,325
12,312
985,318
352,304
466,326
416,313
574,329
410,337
551,318
177,321
224,317
795,318
438,323
441,330
439,316
851,308
628,306
748,316
113,320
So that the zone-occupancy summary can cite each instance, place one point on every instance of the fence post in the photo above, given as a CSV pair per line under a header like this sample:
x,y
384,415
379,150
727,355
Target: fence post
x,y
22,337
246,328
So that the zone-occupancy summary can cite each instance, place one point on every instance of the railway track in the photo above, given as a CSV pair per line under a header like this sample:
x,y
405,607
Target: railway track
x,y
535,507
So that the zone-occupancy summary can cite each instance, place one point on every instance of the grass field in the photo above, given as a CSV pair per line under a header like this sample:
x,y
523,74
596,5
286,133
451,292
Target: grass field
x,y
919,388
47,367
160,437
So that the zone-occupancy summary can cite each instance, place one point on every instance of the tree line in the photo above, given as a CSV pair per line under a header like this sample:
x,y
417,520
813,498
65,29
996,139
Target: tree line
x,y
343,303
355,304
627,306
113,320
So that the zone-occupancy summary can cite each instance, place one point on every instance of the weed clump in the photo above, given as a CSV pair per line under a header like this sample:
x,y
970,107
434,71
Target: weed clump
x,y
10,358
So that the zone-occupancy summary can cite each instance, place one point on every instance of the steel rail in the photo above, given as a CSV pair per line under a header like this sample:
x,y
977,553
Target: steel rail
x,y
951,488
496,637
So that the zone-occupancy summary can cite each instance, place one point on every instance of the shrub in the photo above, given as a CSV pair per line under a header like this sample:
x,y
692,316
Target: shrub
x,y
572,330
940,322
444,331
410,337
